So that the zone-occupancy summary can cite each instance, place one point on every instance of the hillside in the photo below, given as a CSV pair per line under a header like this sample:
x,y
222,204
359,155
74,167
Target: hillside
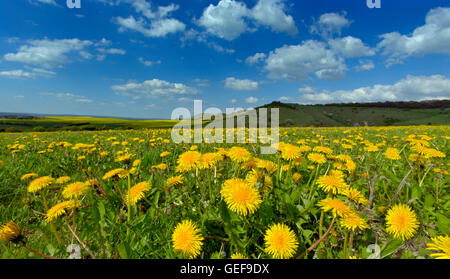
x,y
364,114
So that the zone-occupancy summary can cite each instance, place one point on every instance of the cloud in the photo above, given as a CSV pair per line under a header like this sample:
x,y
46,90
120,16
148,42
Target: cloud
x,y
153,88
330,24
112,51
158,28
226,20
201,37
241,84
229,18
48,53
148,63
431,38
251,100
50,2
31,74
306,89
412,88
285,99
365,65
68,97
16,74
350,47
258,57
296,62
272,13
151,24
202,82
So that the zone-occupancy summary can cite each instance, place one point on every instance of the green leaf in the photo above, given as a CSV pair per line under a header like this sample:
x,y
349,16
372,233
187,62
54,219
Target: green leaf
x,y
429,201
124,250
224,213
443,223
392,247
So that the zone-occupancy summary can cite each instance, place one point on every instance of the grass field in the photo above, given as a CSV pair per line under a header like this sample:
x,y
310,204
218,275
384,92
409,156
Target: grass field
x,y
80,123
378,192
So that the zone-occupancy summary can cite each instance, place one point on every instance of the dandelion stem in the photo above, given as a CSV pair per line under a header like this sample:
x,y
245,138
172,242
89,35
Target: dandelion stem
x,y
321,223
128,203
79,241
350,244
38,254
345,245
52,225
313,183
302,255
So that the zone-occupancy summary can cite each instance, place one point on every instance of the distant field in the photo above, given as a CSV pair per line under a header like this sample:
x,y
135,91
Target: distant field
x,y
79,123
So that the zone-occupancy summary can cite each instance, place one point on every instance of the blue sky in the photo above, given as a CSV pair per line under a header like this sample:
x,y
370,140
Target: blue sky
x,y
144,58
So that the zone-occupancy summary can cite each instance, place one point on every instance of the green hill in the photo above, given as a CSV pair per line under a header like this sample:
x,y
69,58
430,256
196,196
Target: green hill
x,y
364,114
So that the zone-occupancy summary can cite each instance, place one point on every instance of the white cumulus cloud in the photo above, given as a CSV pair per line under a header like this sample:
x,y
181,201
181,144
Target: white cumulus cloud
x,y
48,53
330,24
241,84
153,88
298,61
412,88
431,38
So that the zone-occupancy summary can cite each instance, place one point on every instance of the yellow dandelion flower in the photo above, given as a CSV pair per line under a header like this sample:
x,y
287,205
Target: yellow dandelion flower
x,y
336,206
161,166
40,183
269,166
92,182
173,181
296,177
136,163
121,173
137,192
305,148
62,180
323,149
124,158
28,176
355,196
164,154
290,152
442,244
193,148
240,196
188,161
187,238
9,232
75,190
60,209
317,158
332,184
209,160
239,154
350,166
371,148
401,221
280,242
392,154
353,221
238,256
